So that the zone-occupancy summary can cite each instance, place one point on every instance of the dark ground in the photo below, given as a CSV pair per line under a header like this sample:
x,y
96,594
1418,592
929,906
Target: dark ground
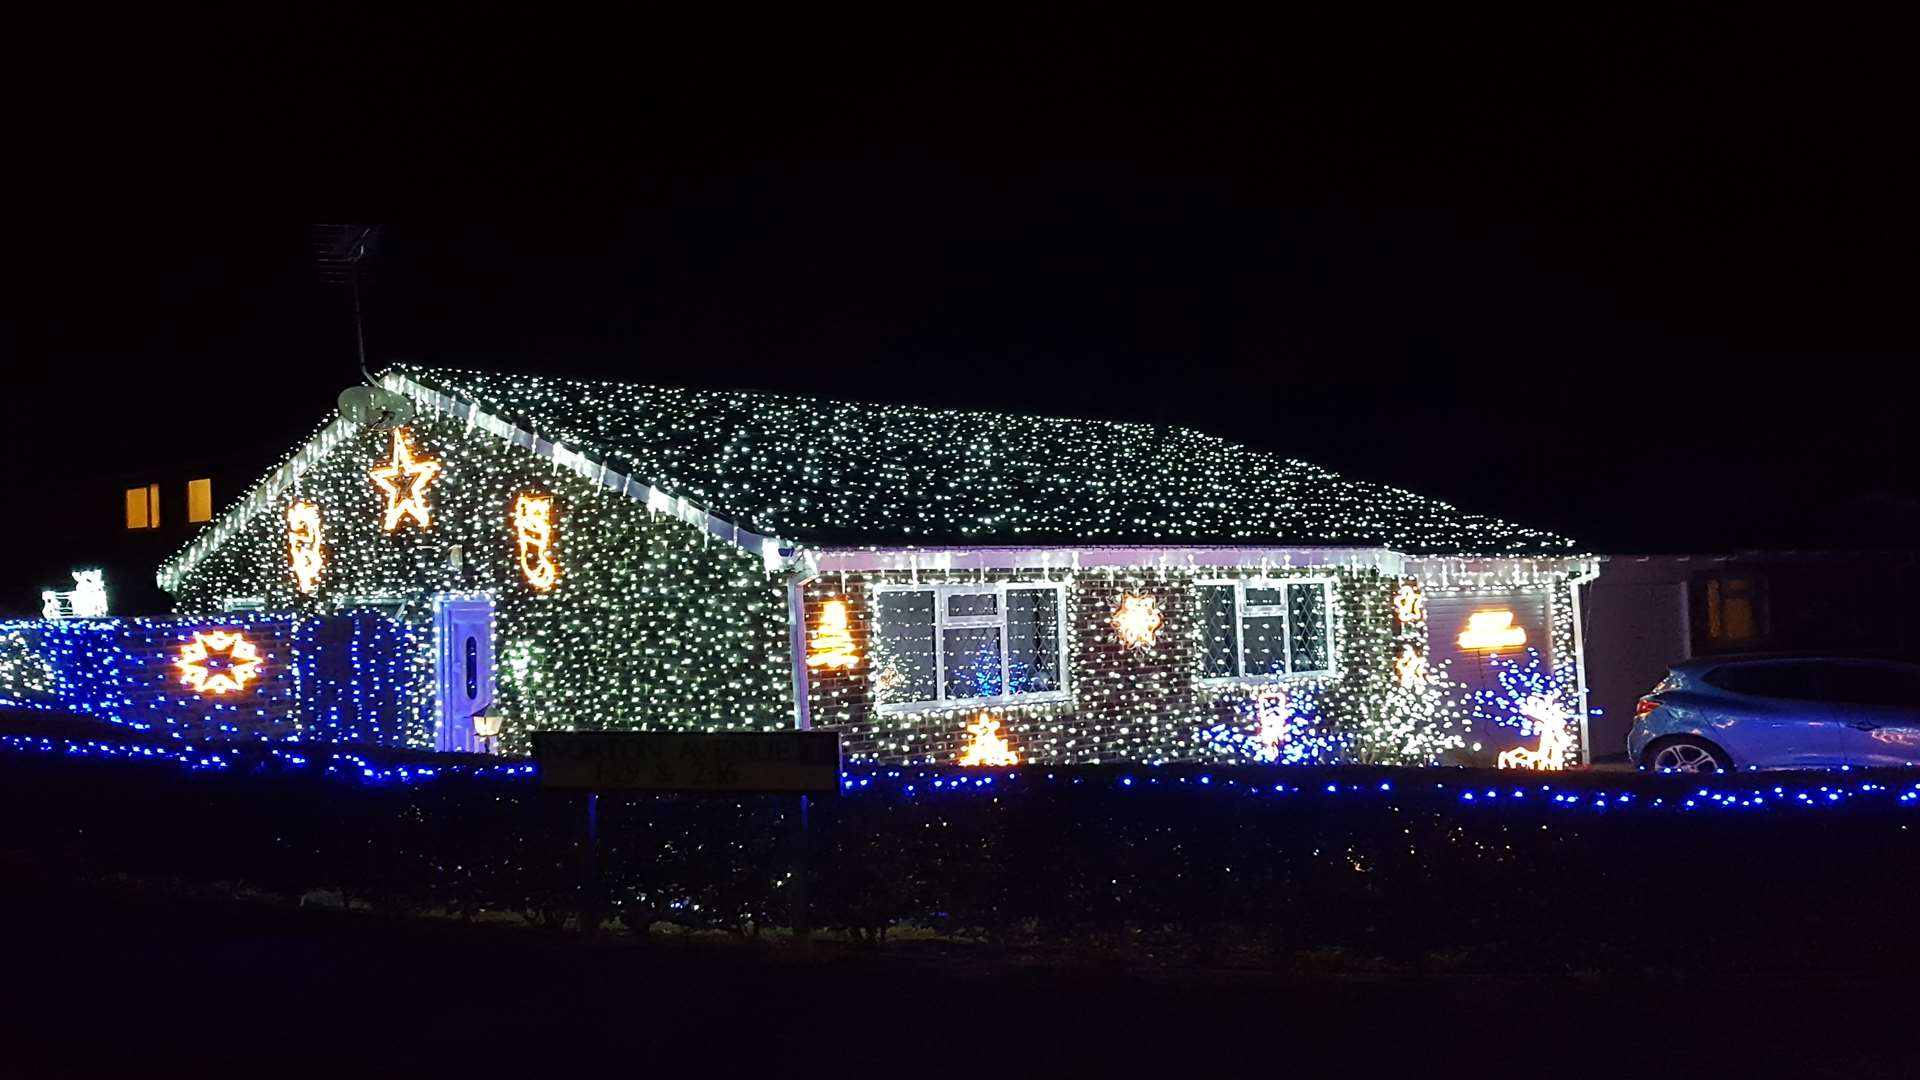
x,y
99,977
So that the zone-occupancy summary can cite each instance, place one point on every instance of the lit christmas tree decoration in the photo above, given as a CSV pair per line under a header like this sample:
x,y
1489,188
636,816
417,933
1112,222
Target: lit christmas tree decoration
x,y
832,642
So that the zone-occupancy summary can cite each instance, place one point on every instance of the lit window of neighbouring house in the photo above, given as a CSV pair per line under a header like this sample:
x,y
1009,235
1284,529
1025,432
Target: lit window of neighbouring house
x,y
946,644
199,500
143,507
1255,629
1735,610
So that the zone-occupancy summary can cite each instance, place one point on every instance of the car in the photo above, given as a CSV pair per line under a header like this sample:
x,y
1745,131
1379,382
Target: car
x,y
1804,712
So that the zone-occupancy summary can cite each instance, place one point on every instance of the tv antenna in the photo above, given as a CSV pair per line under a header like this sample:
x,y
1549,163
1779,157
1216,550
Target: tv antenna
x,y
337,251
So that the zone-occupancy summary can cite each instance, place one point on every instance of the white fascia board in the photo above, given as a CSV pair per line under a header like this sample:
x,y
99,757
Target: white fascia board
x,y
268,491
1448,571
935,559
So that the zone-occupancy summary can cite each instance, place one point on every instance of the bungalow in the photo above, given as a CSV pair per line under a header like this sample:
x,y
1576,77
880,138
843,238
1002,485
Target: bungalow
x,y
939,586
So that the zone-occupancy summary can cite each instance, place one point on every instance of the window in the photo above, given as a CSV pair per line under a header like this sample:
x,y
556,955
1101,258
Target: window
x,y
1874,684
965,644
199,501
1263,628
143,507
1730,611
1799,680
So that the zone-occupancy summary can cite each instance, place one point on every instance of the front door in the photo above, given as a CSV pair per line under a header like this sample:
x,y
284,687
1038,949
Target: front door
x,y
463,635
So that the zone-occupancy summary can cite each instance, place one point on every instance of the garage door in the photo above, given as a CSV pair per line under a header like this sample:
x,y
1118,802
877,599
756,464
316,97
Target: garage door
x,y
1469,630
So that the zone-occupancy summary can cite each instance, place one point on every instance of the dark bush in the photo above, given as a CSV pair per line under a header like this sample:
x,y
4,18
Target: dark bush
x,y
1170,866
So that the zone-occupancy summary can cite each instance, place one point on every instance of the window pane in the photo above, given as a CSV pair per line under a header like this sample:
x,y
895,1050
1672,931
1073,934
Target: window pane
x,y
1265,639
904,665
1265,597
973,661
1801,681
961,605
1307,611
1216,632
1033,641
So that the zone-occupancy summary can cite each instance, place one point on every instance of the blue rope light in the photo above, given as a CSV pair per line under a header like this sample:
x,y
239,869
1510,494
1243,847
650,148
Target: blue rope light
x,y
916,783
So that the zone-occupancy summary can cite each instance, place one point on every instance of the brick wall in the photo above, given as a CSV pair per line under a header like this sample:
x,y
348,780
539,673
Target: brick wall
x,y
1129,703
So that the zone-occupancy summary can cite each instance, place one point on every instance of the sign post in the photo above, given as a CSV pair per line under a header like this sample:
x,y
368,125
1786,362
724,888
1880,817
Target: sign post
x,y
803,763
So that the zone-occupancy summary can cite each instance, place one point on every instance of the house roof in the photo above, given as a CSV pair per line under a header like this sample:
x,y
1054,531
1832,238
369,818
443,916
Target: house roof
x,y
836,472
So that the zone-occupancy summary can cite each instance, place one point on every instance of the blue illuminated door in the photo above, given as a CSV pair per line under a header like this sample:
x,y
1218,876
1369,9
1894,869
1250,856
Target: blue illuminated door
x,y
463,637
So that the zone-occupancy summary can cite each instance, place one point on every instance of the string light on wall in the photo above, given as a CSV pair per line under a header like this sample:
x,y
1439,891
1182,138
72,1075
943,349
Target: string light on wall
x,y
403,480
533,540
218,662
306,552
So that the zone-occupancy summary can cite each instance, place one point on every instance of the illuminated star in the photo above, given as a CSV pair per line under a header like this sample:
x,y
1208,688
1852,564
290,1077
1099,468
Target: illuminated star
x,y
1138,620
405,480
242,662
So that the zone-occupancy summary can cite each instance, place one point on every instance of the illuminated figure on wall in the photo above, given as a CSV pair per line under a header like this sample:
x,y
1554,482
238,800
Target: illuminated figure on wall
x,y
1410,667
1492,631
533,540
404,479
238,662
987,746
305,554
1409,605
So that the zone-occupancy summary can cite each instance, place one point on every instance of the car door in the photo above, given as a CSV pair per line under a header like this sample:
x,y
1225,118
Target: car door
x,y
1774,714
1878,706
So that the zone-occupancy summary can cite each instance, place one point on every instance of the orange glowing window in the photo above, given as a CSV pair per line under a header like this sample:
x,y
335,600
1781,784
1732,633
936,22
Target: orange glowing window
x,y
143,507
199,500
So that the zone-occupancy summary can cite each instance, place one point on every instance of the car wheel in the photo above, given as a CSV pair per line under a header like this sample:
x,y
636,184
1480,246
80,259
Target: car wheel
x,y
1689,755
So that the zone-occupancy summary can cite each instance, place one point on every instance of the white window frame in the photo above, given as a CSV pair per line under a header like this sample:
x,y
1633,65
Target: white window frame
x,y
1242,612
942,622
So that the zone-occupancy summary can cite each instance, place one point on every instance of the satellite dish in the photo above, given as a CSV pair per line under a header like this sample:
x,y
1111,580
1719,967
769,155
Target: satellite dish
x,y
375,407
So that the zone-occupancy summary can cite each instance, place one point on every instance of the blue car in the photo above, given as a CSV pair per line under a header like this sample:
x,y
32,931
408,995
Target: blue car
x,y
1779,713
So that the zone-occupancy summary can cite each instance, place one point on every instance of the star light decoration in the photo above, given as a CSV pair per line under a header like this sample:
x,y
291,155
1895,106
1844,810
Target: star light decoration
x,y
306,556
240,658
1137,620
404,479
533,541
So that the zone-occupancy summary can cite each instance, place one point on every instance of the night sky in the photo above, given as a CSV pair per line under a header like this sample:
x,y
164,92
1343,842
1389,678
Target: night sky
x,y
1639,278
